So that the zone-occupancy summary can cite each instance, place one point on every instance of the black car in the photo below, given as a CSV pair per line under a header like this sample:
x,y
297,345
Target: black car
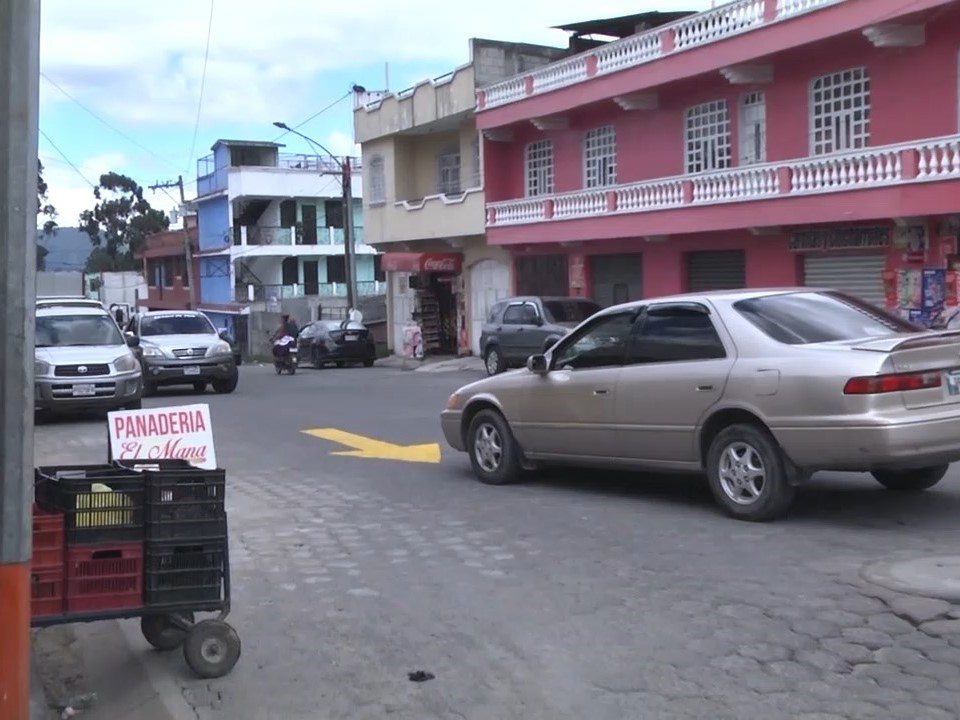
x,y
327,342
519,327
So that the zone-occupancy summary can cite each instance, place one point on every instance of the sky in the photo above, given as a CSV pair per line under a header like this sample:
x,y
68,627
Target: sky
x,y
121,82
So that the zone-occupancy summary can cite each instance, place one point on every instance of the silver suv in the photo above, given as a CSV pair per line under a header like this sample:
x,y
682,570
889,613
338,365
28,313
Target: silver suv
x,y
182,347
82,361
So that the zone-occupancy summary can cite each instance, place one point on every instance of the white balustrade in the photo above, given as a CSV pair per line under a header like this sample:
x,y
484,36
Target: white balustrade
x,y
840,172
581,204
633,50
733,185
654,195
939,159
560,74
505,92
789,8
717,24
514,212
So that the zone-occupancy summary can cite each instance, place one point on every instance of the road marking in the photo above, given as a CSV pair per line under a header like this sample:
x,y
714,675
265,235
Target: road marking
x,y
366,447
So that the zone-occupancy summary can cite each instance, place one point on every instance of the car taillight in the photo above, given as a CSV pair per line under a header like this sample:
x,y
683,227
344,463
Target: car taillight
x,y
894,382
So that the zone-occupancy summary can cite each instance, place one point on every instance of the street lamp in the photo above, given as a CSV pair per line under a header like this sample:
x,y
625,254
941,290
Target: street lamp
x,y
348,249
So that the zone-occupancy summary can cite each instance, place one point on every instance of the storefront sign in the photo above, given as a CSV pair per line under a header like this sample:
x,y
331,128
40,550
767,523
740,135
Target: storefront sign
x,y
170,433
850,238
422,262
914,241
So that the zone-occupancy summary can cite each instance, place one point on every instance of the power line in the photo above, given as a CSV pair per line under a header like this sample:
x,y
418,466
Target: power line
x,y
313,117
100,119
66,159
203,82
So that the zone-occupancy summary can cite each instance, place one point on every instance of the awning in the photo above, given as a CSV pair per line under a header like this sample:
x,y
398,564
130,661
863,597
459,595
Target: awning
x,y
451,263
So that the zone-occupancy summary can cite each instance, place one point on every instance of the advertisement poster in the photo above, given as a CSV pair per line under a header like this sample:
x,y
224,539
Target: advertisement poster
x,y
890,289
170,433
934,290
951,296
910,290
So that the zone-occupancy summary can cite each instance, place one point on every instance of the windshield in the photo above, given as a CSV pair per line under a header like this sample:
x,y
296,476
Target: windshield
x,y
176,325
77,331
570,311
814,317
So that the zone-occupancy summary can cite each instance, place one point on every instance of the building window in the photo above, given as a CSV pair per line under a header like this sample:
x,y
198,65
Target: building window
x,y
448,171
290,271
600,157
753,128
378,272
378,183
333,213
708,137
477,170
154,273
539,166
840,112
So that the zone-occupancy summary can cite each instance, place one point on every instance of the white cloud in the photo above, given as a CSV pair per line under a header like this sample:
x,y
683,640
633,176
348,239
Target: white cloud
x,y
141,63
340,143
71,194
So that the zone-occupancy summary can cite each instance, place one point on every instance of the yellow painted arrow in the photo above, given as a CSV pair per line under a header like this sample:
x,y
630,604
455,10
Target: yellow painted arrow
x,y
365,447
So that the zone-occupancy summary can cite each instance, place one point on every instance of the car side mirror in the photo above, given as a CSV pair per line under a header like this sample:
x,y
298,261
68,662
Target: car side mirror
x,y
538,364
538,321
132,340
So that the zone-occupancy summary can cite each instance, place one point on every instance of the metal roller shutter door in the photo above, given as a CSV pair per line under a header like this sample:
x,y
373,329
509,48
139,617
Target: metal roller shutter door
x,y
617,278
716,270
858,275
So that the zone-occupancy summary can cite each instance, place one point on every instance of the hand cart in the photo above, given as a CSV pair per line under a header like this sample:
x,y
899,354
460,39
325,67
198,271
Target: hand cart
x,y
119,541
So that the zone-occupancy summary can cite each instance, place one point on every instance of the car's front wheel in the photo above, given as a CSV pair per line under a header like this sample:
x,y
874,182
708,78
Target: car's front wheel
x,y
494,454
748,475
911,480
493,361
226,385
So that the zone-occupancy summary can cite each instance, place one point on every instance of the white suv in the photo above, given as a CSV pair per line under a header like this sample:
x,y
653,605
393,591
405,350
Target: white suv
x,y
82,361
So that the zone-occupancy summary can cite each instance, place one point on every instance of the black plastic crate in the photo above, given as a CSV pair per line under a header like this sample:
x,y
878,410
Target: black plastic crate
x,y
101,503
182,572
184,502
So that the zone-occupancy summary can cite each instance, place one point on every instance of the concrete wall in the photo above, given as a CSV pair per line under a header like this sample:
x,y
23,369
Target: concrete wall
x,y
59,283
494,60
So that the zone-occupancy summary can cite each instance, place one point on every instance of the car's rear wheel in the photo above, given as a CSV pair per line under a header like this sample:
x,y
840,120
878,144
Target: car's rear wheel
x,y
494,454
911,480
493,361
748,475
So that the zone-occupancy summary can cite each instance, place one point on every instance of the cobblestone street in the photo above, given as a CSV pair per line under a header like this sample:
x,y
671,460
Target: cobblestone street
x,y
573,595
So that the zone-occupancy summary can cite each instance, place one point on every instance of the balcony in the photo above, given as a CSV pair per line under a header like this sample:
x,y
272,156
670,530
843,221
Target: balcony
x,y
892,166
432,217
261,235
246,294
696,31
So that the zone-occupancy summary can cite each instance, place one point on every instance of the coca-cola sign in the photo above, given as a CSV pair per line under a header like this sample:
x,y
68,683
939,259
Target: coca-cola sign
x,y
440,263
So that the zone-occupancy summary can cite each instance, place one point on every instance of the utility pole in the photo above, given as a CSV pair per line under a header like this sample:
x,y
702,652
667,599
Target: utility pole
x,y
19,106
187,250
349,250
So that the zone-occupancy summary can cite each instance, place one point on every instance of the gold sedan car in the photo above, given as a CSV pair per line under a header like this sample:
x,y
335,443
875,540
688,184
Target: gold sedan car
x,y
757,388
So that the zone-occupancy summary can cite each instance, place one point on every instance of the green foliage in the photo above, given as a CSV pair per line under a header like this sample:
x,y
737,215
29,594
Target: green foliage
x,y
48,211
119,223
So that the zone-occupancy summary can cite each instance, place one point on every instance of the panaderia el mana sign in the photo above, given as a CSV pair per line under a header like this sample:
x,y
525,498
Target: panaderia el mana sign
x,y
170,433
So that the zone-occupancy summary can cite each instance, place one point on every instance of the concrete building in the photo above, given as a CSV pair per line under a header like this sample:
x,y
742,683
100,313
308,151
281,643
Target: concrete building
x,y
164,258
270,229
424,202
760,143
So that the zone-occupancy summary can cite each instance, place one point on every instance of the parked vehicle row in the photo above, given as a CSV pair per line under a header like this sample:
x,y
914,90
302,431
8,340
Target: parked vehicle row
x,y
758,389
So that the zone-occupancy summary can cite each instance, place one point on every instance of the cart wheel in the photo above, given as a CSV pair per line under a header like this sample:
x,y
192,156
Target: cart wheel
x,y
212,649
160,632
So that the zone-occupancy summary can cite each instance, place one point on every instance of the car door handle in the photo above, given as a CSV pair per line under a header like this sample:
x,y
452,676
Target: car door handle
x,y
600,391
703,388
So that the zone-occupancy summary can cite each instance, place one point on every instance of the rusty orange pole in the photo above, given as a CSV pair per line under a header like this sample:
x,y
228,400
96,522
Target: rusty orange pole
x,y
19,100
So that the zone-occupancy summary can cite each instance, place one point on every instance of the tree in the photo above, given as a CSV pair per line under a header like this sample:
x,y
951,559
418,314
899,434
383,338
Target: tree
x,y
119,223
46,210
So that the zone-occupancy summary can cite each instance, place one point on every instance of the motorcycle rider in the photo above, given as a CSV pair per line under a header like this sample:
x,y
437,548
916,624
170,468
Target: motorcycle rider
x,y
288,329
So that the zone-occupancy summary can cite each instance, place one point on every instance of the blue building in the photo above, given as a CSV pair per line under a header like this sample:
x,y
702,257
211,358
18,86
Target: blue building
x,y
270,228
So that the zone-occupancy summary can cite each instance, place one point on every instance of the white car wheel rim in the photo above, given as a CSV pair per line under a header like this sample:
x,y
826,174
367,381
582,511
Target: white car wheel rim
x,y
488,448
493,360
741,472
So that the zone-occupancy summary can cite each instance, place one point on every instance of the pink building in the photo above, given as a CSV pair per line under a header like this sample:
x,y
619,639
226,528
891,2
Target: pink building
x,y
760,143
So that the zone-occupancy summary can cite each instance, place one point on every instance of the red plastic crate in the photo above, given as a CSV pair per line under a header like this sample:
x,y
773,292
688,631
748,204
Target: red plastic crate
x,y
48,539
46,592
104,577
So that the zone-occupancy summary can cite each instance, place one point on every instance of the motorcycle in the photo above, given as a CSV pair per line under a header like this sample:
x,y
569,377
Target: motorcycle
x,y
285,355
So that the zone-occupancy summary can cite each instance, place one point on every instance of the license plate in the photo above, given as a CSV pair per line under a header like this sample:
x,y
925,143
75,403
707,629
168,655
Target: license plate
x,y
191,371
953,382
84,390
352,336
